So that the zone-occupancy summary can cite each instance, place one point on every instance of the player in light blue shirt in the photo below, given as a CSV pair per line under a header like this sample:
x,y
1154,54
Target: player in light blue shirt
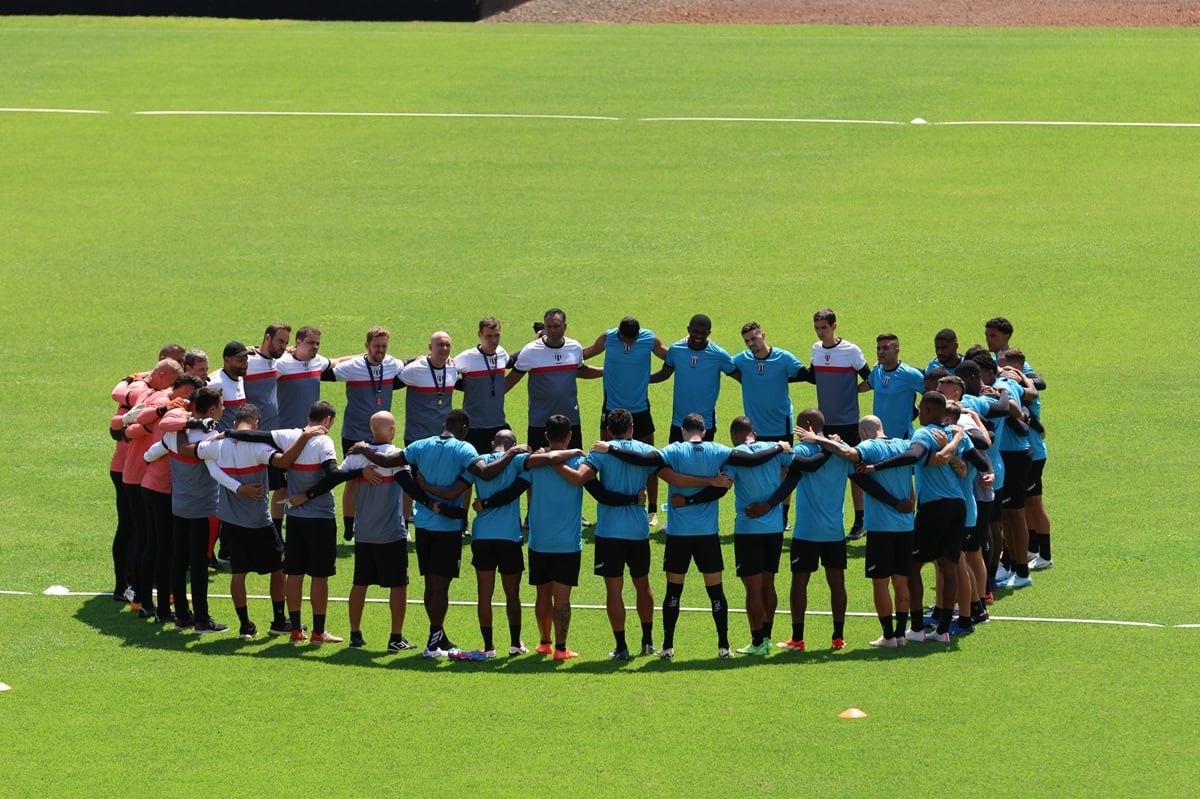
x,y
697,365
896,385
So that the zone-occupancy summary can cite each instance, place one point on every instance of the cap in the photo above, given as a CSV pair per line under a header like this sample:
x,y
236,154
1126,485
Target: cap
x,y
235,349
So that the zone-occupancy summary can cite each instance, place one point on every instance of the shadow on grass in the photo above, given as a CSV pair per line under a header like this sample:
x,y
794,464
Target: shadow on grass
x,y
117,621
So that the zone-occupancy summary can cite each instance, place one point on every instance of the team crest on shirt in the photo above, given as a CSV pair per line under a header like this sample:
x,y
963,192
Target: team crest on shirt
x,y
762,368
557,357
827,357
885,380
695,360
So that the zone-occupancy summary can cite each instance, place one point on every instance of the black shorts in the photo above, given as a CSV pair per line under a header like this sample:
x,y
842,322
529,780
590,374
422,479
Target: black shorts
x,y
481,438
536,437
276,478
848,433
888,554
1034,487
705,550
938,530
494,554
439,552
385,565
807,554
975,536
755,553
676,434
311,547
768,437
612,555
643,424
347,443
257,550
1017,466
554,567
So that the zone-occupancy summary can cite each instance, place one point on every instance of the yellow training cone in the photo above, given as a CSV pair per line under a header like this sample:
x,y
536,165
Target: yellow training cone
x,y
852,713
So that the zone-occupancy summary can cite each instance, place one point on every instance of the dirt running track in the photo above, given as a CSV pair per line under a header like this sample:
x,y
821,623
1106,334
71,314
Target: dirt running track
x,y
980,13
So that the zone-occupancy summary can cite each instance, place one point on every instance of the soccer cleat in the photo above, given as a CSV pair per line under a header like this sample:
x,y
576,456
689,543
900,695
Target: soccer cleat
x,y
958,629
147,612
168,619
399,645
583,522
988,598
134,606
474,654
839,643
283,627
544,649
885,643
619,654
1017,581
724,652
565,654
1002,575
667,652
920,636
653,520
297,637
324,637
209,625
761,649
184,624
1041,564
792,644
434,653
648,649
518,648
938,638
247,631
356,641
856,532
980,618
1029,556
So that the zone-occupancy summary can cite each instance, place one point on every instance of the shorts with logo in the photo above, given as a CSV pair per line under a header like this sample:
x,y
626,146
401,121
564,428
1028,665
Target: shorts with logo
x,y
385,565
311,547
975,536
494,554
755,553
439,552
888,554
1034,489
554,567
807,555
705,550
612,555
257,550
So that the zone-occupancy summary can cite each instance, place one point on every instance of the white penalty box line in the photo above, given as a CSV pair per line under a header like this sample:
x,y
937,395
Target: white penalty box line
x,y
462,603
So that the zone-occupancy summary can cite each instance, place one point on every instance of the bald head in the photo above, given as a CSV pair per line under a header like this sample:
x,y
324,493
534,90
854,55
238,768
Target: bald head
x,y
503,441
870,427
439,348
383,426
164,374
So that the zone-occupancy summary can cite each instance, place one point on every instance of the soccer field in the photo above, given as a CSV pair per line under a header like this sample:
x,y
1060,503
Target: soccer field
x,y
421,176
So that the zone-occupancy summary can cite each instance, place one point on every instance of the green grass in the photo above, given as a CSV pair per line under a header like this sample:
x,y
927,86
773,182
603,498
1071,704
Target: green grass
x,y
124,231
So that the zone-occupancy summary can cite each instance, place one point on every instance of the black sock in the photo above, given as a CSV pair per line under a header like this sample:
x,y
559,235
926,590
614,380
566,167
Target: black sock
x,y
243,614
436,636
348,527
720,613
965,622
392,639
756,637
277,607
1044,548
839,628
514,635
798,631
294,617
318,623
767,625
561,647
943,625
858,518
1022,569
487,637
619,637
671,613
888,625
278,526
647,633
1034,539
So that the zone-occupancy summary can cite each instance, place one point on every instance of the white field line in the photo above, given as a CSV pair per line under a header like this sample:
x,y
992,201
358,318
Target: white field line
x,y
786,120
383,600
1068,123
51,111
415,114
18,593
